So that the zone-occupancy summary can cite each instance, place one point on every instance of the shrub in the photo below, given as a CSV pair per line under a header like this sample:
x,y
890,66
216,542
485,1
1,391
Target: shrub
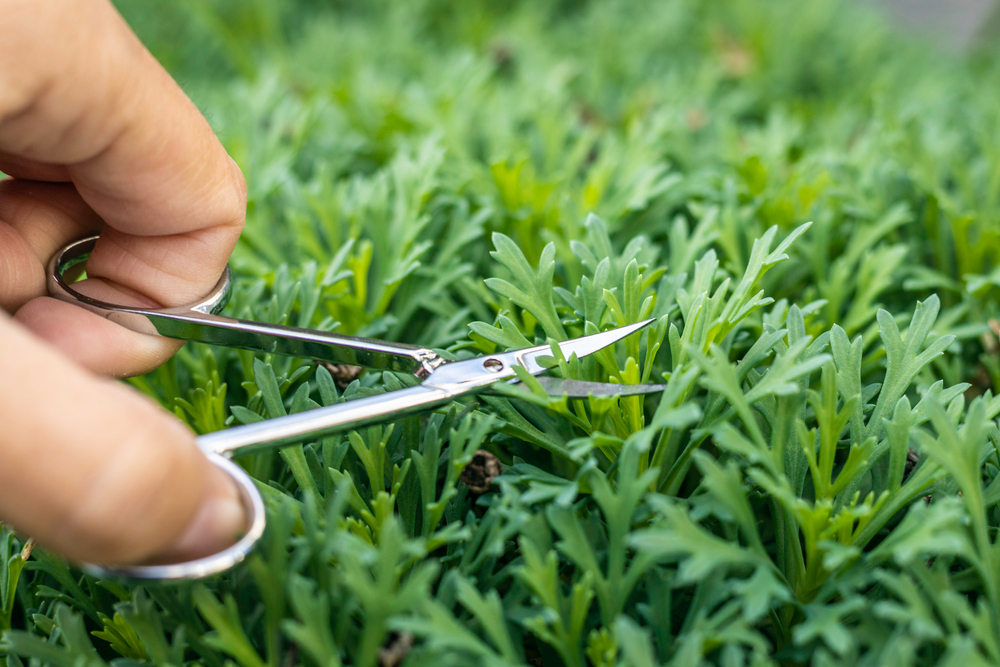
x,y
806,202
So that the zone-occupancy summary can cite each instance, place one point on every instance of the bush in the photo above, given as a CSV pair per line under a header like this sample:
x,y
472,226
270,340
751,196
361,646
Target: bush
x,y
817,484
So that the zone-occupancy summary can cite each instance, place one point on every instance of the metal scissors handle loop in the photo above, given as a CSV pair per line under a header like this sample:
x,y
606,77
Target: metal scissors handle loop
x,y
221,561
67,265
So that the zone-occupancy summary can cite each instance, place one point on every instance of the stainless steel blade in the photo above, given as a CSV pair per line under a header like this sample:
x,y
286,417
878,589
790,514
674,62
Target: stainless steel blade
x,y
464,376
581,347
582,389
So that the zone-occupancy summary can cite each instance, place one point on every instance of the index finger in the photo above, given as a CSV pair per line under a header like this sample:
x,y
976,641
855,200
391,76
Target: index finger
x,y
77,88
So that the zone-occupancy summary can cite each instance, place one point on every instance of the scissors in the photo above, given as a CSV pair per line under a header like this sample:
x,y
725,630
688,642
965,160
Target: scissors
x,y
441,381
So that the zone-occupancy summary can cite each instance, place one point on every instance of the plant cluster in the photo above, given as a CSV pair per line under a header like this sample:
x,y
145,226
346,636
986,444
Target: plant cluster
x,y
806,203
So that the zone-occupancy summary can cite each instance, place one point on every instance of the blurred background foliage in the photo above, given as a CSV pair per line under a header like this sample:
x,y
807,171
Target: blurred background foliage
x,y
812,488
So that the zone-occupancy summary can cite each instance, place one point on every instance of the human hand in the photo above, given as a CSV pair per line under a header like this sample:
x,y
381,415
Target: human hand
x,y
99,138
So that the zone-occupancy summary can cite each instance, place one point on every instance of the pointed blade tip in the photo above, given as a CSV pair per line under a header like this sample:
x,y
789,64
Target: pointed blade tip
x,y
587,345
630,329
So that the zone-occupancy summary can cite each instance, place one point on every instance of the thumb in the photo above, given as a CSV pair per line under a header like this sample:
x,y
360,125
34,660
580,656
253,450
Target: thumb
x,y
97,473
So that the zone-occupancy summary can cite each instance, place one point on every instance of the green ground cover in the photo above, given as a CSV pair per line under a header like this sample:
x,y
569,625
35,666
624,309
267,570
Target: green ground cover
x,y
816,486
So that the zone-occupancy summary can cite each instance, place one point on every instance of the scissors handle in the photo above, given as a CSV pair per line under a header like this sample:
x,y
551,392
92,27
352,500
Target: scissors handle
x,y
321,422
201,323
253,504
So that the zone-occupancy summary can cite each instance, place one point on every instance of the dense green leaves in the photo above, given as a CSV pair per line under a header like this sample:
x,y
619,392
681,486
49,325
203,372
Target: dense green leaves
x,y
804,203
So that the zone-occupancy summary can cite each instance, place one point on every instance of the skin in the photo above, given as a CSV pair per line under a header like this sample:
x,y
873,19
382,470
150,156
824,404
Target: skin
x,y
96,136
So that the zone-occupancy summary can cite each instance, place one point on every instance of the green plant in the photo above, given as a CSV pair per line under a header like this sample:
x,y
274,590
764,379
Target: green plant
x,y
810,216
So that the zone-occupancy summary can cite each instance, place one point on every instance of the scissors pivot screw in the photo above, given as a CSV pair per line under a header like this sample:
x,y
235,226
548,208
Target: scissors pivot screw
x,y
493,365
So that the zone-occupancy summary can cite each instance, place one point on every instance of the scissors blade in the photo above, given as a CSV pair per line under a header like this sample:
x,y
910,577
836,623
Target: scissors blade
x,y
460,377
532,357
581,389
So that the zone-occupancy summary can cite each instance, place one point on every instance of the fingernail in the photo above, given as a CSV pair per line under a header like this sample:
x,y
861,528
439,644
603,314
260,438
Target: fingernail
x,y
219,523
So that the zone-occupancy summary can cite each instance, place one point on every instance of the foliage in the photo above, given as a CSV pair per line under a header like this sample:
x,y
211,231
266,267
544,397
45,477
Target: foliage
x,y
805,202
